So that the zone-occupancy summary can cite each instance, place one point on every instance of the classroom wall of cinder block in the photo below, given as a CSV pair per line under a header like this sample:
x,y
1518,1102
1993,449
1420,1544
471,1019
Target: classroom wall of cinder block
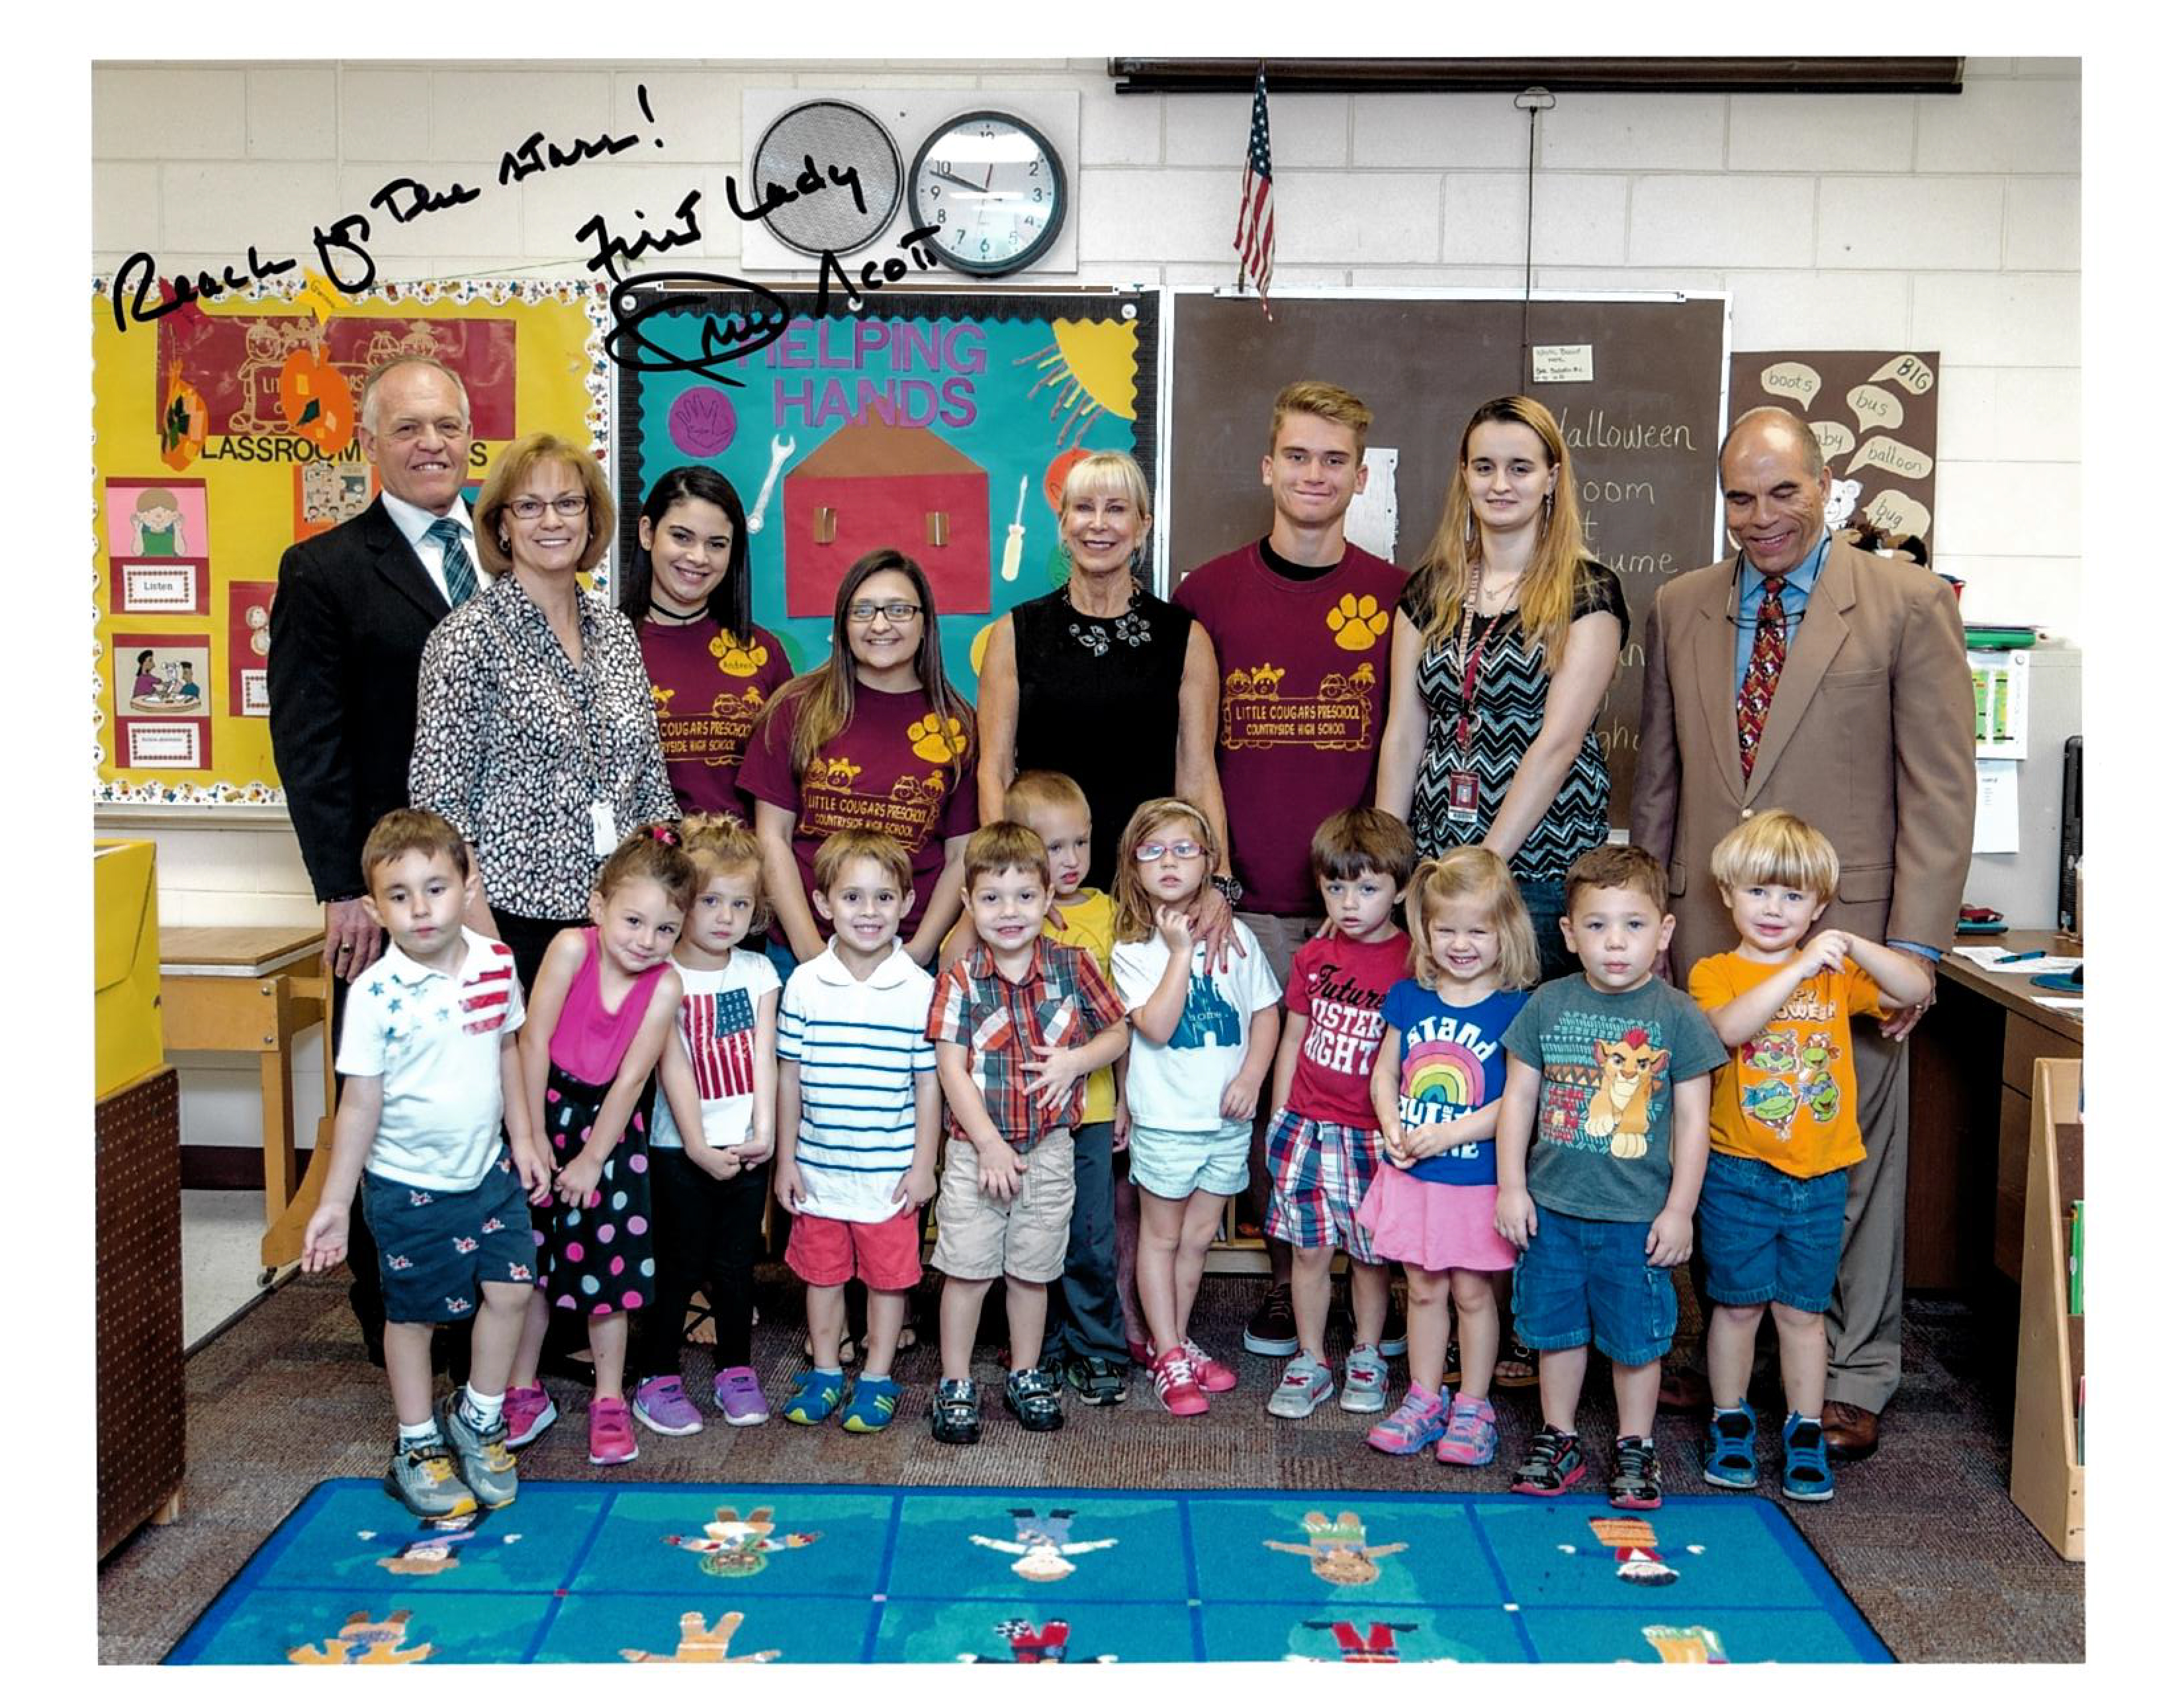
x,y
1927,222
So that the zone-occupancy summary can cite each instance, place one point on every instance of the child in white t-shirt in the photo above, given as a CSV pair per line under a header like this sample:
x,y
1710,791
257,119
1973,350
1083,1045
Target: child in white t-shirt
x,y
1202,1038
712,1126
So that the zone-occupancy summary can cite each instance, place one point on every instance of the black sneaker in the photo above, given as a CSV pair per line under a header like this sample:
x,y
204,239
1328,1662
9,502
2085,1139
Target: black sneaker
x,y
955,1411
1636,1483
1030,1396
1098,1381
1271,1329
1555,1462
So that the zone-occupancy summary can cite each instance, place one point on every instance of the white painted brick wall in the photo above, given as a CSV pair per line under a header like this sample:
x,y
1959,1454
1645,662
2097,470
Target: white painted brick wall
x,y
1944,222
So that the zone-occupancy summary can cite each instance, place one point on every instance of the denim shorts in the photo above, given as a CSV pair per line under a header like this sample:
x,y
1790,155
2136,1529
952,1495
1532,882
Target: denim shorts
x,y
1766,1236
1586,1281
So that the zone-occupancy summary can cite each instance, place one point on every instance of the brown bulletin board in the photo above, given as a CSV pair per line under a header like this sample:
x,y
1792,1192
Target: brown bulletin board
x,y
1642,429
1875,414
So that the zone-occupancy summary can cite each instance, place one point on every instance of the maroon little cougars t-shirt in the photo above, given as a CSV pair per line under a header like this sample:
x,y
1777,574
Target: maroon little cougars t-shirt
x,y
1304,698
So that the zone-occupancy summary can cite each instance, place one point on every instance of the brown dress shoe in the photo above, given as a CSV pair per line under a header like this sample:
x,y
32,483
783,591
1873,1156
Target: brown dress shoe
x,y
1851,1431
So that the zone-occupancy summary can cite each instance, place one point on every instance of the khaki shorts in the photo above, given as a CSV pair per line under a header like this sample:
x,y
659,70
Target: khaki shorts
x,y
1026,1237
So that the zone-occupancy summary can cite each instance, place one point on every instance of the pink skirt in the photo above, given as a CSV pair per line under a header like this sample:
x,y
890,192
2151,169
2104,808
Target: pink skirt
x,y
1437,1226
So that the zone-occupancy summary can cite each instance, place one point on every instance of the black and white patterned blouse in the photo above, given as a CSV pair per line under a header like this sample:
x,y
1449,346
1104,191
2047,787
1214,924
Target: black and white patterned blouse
x,y
514,744
1510,702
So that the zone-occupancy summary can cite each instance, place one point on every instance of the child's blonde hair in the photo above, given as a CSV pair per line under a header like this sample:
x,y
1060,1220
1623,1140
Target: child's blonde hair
x,y
1133,904
654,853
1480,875
860,844
1037,786
723,845
1775,848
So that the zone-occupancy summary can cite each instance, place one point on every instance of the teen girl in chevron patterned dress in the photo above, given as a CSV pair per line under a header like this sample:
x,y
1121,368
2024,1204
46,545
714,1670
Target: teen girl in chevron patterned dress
x,y
1503,655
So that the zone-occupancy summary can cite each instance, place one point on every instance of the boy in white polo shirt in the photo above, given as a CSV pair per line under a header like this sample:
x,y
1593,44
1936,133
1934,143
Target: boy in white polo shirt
x,y
428,1048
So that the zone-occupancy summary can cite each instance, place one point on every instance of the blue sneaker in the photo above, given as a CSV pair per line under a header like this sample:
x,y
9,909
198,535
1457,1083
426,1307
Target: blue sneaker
x,y
817,1395
1806,1475
871,1406
1732,1459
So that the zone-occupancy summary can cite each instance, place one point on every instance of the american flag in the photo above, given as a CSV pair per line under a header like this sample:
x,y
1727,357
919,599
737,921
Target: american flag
x,y
484,995
1255,217
718,1029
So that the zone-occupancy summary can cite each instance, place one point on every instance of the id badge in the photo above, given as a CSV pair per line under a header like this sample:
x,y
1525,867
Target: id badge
x,y
603,838
1463,794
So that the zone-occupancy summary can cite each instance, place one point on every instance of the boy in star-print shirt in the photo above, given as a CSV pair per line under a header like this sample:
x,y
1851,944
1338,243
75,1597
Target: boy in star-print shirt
x,y
428,1049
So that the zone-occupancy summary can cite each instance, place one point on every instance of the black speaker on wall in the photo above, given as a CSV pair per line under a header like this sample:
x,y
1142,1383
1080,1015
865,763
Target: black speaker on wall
x,y
2073,831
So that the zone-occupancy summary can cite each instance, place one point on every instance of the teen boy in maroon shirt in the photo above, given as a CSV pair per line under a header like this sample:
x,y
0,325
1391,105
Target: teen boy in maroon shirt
x,y
1299,622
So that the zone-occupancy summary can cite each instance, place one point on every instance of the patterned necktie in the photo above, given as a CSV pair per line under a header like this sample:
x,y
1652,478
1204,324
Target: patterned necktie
x,y
1769,643
454,560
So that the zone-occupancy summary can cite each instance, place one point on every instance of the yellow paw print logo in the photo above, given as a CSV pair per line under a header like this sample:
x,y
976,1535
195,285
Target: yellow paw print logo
x,y
738,659
1357,621
937,741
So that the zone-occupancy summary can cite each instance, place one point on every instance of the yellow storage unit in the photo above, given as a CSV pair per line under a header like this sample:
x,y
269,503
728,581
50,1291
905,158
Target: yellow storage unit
x,y
127,1039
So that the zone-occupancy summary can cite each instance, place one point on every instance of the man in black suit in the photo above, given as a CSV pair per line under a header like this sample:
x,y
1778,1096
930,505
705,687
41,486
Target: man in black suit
x,y
350,617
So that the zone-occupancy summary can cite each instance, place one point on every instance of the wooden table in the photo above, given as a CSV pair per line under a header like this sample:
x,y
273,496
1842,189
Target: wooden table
x,y
249,990
1971,1113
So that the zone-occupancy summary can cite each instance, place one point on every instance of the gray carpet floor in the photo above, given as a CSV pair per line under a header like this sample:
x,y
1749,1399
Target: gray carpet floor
x,y
1924,1536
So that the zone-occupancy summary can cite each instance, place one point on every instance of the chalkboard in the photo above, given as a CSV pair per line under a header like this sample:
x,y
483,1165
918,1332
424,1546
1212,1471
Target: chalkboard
x,y
1642,431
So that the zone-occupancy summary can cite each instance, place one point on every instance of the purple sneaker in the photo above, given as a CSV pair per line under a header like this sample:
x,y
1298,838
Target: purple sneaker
x,y
661,1407
737,1393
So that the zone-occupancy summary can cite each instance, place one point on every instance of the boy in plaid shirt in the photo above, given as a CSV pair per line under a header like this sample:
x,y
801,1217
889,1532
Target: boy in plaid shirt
x,y
1015,1025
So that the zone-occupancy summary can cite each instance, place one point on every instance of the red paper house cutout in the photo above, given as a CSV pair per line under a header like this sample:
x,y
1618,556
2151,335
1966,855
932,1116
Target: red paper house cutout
x,y
872,484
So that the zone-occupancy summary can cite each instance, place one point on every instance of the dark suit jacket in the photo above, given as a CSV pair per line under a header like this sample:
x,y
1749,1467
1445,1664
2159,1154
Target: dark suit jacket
x,y
350,619
1868,737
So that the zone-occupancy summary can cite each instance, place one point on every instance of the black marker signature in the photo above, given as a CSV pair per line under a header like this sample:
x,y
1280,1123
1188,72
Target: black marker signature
x,y
773,195
612,248
139,275
722,340
874,274
420,198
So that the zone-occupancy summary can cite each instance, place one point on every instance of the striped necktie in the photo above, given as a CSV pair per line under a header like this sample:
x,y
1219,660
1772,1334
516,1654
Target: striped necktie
x,y
1770,644
455,559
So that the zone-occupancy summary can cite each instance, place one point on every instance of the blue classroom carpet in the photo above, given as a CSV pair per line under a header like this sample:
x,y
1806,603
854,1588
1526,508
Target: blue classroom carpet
x,y
585,1573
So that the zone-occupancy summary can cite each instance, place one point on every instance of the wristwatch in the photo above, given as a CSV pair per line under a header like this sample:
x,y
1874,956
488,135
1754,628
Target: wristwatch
x,y
1231,890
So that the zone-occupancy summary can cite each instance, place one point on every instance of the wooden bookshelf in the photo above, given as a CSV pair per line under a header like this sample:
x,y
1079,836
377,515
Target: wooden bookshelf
x,y
2046,1480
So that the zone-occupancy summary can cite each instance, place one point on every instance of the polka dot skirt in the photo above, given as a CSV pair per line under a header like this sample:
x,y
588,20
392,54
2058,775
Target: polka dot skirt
x,y
597,1259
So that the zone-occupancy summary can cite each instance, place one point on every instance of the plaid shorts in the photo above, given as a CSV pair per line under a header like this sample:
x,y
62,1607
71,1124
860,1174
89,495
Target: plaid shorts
x,y
1321,1171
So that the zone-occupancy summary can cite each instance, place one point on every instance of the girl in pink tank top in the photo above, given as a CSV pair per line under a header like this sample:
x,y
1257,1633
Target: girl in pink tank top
x,y
601,1010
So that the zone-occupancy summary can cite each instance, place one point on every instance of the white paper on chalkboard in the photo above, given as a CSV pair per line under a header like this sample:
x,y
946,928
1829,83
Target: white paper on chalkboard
x,y
1371,523
1561,362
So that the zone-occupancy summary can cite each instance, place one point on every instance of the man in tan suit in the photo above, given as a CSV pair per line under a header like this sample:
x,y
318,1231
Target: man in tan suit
x,y
1868,734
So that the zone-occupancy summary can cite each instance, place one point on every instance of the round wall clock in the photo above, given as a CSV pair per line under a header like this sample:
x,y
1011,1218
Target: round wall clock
x,y
828,176
993,188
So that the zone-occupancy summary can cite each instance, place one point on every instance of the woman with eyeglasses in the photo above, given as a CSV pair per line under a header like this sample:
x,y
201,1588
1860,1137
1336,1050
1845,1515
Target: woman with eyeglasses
x,y
712,667
535,731
874,738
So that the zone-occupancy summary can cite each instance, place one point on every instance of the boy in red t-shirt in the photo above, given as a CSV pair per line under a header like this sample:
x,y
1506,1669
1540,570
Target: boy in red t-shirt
x,y
1323,1141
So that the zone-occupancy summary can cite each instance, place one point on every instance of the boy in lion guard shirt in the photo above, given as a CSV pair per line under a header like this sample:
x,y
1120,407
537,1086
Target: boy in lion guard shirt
x,y
1613,1063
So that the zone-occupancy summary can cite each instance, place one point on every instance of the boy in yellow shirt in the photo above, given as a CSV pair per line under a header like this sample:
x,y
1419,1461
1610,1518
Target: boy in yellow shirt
x,y
1784,1132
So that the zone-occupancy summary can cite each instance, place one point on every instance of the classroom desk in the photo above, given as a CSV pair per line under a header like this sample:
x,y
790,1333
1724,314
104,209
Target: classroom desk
x,y
249,990
1971,1115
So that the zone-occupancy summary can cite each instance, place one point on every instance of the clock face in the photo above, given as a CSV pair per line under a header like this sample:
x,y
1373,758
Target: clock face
x,y
992,187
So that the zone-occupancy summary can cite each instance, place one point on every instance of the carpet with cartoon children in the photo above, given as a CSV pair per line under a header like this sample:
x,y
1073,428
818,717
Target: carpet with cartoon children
x,y
585,1573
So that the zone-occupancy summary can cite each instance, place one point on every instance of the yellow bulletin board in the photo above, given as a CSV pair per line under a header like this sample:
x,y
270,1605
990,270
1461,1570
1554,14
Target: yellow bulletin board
x,y
222,433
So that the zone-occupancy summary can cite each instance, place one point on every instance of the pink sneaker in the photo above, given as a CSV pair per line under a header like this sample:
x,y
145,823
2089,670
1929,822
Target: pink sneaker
x,y
529,1411
1212,1377
1178,1390
614,1442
